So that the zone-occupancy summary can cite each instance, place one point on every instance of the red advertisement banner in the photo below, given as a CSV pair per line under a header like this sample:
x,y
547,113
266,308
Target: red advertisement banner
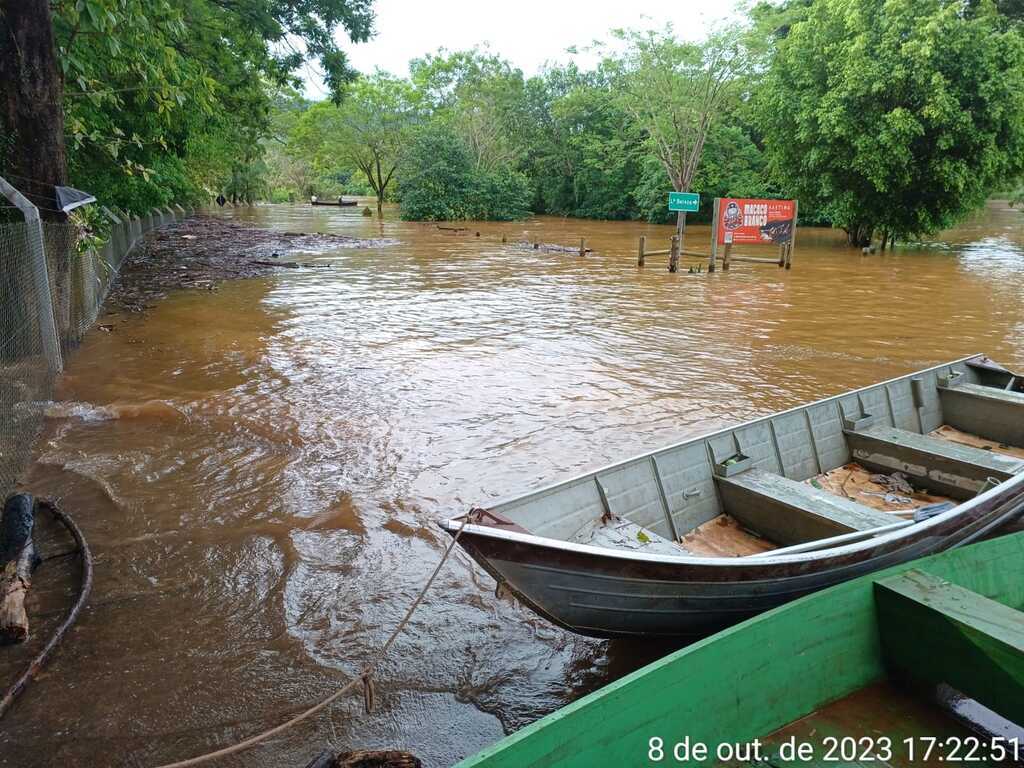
x,y
755,222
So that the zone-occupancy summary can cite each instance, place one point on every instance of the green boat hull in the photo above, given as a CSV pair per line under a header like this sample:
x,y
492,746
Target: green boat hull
x,y
752,680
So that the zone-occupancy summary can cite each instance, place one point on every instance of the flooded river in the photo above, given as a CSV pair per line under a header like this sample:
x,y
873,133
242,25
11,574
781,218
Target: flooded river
x,y
259,469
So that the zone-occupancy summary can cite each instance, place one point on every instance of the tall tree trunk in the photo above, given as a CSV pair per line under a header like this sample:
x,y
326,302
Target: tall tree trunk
x,y
31,113
32,127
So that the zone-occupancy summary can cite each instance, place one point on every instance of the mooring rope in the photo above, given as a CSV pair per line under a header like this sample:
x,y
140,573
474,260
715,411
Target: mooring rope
x,y
83,594
364,678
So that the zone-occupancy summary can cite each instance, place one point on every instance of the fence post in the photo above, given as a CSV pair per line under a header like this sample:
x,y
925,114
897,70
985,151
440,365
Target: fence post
x,y
714,234
40,274
640,251
726,253
583,246
792,236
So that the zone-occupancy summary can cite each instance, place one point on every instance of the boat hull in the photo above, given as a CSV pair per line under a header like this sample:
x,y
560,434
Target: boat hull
x,y
594,592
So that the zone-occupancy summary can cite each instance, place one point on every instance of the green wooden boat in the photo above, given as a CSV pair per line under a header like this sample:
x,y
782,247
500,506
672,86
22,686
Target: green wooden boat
x,y
922,663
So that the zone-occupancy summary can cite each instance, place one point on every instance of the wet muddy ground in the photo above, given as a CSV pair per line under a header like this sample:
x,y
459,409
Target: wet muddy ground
x,y
260,467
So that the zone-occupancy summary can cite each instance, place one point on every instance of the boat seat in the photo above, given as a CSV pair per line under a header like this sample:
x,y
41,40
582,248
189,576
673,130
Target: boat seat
x,y
942,466
990,393
997,414
620,533
790,512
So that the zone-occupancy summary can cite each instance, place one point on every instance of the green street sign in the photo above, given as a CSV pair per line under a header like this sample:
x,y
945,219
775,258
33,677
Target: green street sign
x,y
688,202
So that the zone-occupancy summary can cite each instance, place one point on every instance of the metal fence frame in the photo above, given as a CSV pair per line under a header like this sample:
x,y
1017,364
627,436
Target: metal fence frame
x,y
64,291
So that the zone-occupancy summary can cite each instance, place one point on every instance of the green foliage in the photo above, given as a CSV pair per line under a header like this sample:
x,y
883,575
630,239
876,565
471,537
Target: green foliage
x,y
731,166
367,132
440,182
675,90
191,79
898,116
581,151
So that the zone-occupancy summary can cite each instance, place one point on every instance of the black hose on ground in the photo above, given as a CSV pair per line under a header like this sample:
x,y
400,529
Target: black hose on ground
x,y
83,594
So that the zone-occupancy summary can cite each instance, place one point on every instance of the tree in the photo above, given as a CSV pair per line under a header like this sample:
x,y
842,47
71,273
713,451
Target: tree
x,y
674,90
367,132
440,181
141,88
895,117
480,95
31,117
731,166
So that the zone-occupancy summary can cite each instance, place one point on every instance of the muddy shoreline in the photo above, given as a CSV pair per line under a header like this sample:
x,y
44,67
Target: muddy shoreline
x,y
203,251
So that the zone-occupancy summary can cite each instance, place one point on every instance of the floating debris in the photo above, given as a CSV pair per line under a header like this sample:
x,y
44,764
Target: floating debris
x,y
202,251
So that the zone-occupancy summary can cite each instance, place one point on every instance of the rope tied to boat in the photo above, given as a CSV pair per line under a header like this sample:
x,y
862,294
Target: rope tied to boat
x,y
364,678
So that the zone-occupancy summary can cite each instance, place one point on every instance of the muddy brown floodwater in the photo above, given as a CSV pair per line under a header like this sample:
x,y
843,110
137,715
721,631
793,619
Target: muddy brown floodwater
x,y
259,469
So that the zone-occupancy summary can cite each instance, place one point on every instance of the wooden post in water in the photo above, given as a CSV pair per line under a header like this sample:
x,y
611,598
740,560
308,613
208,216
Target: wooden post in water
x,y
782,254
673,257
640,251
713,258
726,253
504,239
792,235
583,246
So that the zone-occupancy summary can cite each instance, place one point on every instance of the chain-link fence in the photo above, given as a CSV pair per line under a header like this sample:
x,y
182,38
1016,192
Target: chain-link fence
x,y
51,291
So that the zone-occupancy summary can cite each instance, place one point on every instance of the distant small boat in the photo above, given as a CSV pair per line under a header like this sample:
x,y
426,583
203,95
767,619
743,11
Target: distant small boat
x,y
919,664
696,537
340,202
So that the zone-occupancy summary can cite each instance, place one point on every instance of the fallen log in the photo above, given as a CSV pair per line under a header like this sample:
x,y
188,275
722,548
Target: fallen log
x,y
18,559
19,685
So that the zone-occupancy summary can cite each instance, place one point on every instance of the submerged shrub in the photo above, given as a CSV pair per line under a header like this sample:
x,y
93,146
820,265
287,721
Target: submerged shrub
x,y
440,183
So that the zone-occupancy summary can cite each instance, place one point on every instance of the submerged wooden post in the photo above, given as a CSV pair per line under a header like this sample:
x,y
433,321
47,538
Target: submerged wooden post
x,y
782,254
504,239
583,246
640,251
726,253
714,232
673,256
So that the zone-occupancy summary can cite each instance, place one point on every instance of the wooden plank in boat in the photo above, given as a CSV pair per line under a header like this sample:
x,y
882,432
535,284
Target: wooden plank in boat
x,y
955,435
940,465
789,512
936,632
723,536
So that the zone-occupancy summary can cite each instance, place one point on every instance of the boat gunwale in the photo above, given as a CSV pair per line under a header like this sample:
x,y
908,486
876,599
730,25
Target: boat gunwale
x,y
453,525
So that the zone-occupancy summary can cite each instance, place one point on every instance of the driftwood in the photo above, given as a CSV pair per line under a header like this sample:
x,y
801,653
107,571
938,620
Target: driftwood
x,y
290,264
18,559
389,758
19,685
451,229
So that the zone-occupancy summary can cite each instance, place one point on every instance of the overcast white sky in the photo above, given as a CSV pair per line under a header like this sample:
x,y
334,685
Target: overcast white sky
x,y
526,32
